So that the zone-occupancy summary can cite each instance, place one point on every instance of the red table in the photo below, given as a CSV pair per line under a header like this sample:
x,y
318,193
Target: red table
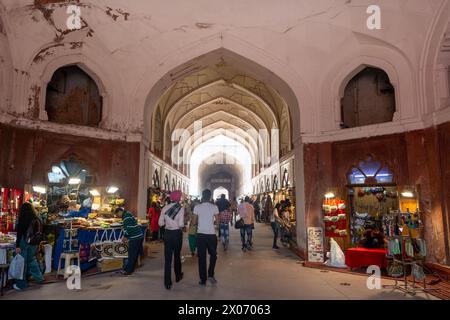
x,y
363,257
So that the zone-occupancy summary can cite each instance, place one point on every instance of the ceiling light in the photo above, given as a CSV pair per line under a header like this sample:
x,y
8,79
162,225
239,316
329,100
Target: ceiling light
x,y
74,180
39,189
112,189
95,193
408,194
329,195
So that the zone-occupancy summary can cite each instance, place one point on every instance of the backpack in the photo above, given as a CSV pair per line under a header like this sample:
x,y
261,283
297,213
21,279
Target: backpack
x,y
34,234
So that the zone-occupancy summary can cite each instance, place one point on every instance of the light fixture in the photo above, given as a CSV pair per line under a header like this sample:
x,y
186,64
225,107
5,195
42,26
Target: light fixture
x,y
74,180
39,189
407,194
94,192
56,170
329,195
112,189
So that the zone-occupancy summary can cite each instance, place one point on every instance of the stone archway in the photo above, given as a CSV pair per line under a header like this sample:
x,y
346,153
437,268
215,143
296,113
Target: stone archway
x,y
263,68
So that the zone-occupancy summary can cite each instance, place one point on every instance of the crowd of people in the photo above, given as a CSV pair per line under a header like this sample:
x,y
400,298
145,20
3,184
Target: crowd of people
x,y
206,222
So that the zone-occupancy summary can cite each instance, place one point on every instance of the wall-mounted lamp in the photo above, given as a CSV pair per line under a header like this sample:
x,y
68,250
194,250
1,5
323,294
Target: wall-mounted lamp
x,y
94,193
329,195
74,181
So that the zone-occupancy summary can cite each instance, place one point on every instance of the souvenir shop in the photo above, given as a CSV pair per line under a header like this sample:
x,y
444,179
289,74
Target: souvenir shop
x,y
375,221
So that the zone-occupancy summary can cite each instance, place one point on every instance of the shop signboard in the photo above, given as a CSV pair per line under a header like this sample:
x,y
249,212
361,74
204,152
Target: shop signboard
x,y
315,244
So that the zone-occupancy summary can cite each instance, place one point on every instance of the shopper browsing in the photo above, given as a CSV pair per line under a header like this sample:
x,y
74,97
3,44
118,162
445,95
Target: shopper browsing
x,y
134,236
172,217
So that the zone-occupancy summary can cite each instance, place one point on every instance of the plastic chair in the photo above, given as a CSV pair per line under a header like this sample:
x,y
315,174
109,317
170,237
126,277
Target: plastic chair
x,y
68,257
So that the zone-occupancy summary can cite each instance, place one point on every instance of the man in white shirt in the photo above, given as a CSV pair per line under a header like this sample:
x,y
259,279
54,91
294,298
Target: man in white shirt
x,y
206,216
172,217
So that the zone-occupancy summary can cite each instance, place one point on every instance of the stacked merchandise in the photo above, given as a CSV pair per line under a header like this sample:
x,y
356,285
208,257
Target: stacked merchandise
x,y
405,246
10,202
335,218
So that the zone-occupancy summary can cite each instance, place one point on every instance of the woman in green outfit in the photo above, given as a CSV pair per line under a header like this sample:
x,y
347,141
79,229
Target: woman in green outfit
x,y
192,233
29,235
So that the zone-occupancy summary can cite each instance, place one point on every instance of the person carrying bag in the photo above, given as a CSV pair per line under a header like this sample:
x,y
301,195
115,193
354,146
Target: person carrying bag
x,y
29,236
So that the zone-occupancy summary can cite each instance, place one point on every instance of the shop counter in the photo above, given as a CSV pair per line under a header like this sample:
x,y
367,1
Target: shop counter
x,y
85,238
364,257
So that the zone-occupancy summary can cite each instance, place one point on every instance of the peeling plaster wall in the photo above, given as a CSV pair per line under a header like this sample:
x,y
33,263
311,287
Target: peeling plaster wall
x,y
136,39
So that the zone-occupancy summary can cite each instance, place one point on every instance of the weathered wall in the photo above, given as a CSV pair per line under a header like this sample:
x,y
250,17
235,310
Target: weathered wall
x,y
27,156
416,158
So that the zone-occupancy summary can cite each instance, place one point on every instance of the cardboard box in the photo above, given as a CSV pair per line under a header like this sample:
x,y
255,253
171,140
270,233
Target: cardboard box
x,y
110,265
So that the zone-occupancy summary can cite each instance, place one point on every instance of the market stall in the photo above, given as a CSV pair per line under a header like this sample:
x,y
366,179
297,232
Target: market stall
x,y
356,216
92,239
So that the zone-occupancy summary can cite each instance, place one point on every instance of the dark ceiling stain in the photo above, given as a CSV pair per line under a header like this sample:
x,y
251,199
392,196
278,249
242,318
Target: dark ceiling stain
x,y
33,102
47,7
115,16
202,25
46,52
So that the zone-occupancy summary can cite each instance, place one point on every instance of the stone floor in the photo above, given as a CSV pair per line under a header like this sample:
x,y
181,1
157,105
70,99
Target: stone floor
x,y
260,274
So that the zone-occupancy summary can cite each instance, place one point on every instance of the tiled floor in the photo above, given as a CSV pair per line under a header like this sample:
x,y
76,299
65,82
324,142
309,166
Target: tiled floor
x,y
260,274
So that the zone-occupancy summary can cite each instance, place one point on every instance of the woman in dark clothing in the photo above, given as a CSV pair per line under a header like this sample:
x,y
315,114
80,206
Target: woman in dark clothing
x,y
257,209
29,233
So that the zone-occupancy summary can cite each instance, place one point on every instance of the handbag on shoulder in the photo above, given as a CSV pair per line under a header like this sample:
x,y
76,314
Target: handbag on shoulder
x,y
239,224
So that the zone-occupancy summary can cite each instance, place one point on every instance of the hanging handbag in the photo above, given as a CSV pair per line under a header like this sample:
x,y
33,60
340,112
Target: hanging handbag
x,y
95,248
417,272
108,245
395,270
120,248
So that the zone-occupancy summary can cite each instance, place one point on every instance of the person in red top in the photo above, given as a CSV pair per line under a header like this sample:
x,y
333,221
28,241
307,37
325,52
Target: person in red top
x,y
153,216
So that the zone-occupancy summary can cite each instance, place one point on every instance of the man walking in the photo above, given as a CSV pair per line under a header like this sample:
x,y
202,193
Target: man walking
x,y
172,217
206,216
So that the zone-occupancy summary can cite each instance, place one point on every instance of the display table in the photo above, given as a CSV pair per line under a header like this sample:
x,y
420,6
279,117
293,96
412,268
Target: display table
x,y
85,238
364,257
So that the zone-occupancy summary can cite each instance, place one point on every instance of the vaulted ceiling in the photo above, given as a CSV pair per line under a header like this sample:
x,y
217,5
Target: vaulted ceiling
x,y
227,102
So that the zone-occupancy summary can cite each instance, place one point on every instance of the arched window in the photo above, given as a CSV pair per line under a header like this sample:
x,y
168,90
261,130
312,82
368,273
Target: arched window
x,y
174,186
275,183
285,181
155,179
166,183
73,98
268,184
369,98
370,172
